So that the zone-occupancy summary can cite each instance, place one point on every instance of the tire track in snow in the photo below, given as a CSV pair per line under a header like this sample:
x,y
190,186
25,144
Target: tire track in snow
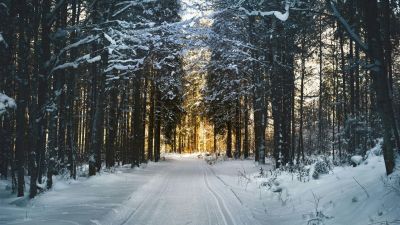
x,y
227,185
208,212
150,195
213,212
224,211
243,208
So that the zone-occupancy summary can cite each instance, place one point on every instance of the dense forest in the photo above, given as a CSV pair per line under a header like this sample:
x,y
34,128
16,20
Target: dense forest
x,y
106,82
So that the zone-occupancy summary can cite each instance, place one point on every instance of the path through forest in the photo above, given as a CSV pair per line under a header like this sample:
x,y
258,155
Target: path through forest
x,y
185,190
176,191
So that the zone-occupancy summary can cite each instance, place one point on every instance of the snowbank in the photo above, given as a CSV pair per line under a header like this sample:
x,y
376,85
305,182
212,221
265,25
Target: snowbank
x,y
346,195
357,159
81,201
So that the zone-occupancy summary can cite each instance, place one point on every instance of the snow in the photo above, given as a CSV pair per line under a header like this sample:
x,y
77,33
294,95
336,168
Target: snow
x,y
130,4
76,202
117,65
94,59
184,189
279,15
83,41
192,9
112,41
357,159
3,41
292,202
84,59
6,103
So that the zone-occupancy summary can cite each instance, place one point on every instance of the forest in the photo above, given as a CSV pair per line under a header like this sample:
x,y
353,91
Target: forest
x,y
90,87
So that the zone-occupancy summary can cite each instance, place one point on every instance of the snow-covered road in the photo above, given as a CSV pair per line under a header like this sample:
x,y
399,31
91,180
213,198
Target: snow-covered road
x,y
173,192
186,191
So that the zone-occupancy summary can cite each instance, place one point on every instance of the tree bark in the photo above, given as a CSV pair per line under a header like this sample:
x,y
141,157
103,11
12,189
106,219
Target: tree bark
x,y
380,81
229,140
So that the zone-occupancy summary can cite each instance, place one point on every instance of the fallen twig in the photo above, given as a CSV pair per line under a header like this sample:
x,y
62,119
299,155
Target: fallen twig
x,y
365,190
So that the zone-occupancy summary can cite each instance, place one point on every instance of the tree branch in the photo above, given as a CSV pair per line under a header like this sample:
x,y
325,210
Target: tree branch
x,y
347,27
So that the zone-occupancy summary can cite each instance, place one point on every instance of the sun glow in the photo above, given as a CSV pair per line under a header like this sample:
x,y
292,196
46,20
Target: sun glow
x,y
195,132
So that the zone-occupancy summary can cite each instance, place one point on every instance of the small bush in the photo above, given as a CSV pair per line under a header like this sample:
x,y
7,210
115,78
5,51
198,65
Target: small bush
x,y
321,167
303,173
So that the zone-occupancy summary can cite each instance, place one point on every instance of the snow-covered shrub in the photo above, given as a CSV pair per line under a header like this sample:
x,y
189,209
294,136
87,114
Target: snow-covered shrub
x,y
243,178
210,159
270,181
377,149
303,173
356,160
317,217
313,165
262,173
322,166
276,188
300,171
355,126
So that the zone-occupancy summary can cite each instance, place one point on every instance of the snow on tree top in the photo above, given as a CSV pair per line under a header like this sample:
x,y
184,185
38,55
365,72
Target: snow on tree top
x,y
6,103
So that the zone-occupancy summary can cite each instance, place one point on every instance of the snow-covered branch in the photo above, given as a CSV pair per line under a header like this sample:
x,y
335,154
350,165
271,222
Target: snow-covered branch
x,y
77,62
279,15
83,41
133,66
3,41
128,4
351,32
6,103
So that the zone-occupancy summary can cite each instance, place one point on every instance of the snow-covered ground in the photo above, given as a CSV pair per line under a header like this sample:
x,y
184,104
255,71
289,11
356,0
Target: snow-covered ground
x,y
186,190
335,198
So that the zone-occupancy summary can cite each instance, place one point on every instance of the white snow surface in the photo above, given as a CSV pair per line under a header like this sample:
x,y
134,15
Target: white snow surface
x,y
357,159
279,15
186,190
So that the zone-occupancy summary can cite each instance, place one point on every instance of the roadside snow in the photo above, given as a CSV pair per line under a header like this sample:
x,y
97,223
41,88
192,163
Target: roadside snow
x,y
335,198
83,201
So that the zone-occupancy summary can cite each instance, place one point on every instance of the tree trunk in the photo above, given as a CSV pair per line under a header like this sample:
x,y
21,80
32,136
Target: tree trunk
x,y
157,127
143,122
300,150
98,123
150,150
137,119
380,81
238,128
320,122
246,129
21,98
229,140
112,127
